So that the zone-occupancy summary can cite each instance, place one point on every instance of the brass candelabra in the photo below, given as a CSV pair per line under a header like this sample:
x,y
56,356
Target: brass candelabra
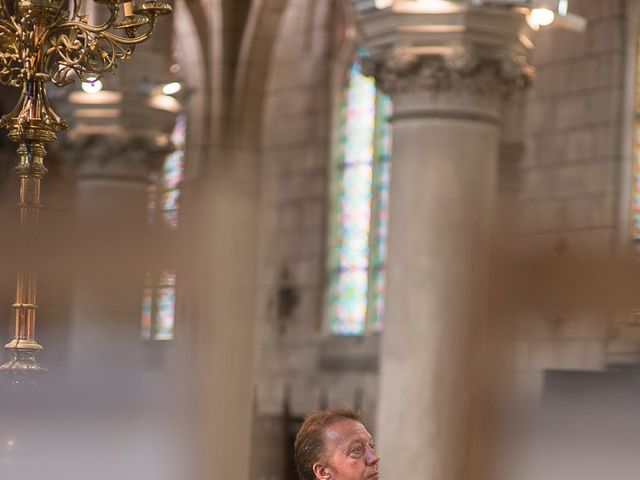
x,y
53,41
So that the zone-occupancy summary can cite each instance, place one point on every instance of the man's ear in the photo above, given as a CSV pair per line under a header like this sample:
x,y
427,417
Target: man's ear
x,y
322,472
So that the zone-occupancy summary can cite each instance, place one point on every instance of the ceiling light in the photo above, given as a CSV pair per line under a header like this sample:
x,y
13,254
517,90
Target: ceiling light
x,y
380,4
92,87
540,17
171,88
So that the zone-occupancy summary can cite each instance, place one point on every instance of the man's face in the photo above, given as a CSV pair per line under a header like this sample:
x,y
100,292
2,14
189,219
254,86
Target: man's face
x,y
350,453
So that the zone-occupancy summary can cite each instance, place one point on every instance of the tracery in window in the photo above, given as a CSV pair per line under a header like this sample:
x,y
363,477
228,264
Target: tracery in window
x,y
360,186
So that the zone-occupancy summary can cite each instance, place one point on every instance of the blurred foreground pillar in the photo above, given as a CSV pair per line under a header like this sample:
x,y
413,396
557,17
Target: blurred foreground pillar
x,y
449,68
221,260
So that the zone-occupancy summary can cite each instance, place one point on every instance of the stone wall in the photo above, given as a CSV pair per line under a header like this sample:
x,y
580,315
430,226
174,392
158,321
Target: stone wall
x,y
294,355
572,187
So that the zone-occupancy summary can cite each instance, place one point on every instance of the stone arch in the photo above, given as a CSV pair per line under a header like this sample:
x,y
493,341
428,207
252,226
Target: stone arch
x,y
193,39
252,72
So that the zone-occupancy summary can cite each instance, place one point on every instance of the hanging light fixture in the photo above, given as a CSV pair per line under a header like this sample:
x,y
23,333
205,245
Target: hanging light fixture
x,y
51,41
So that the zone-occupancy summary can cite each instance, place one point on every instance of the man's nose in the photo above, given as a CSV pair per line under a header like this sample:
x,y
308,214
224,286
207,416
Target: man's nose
x,y
372,456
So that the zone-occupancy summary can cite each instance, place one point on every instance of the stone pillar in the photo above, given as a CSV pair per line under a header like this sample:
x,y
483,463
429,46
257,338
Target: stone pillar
x,y
114,247
448,79
133,403
222,221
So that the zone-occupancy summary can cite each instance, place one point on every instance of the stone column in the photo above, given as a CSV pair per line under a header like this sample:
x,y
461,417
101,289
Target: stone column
x,y
122,386
448,78
114,247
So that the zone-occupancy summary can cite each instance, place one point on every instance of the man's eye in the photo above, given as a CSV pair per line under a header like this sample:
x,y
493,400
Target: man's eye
x,y
356,450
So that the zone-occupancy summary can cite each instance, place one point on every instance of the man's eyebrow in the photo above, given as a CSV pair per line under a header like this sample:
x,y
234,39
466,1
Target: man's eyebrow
x,y
351,442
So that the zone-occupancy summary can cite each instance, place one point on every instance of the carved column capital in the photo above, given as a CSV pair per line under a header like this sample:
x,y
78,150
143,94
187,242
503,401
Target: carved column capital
x,y
477,53
127,158
465,71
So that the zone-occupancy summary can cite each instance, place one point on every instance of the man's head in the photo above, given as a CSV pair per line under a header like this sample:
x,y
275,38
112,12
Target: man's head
x,y
334,445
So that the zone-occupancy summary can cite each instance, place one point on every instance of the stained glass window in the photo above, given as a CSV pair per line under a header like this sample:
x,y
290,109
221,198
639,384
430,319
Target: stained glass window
x,y
635,207
163,207
159,306
164,195
360,190
147,303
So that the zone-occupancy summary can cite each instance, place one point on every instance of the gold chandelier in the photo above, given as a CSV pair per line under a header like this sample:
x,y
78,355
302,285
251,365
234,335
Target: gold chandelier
x,y
52,41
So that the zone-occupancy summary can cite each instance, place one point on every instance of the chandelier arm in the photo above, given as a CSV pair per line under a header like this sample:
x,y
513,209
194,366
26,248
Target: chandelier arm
x,y
81,64
8,23
65,54
132,41
102,28
8,54
108,64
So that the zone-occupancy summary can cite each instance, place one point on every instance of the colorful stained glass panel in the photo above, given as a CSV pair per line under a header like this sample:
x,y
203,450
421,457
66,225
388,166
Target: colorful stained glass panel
x,y
349,260
349,297
166,308
179,133
173,170
145,332
170,199
636,183
164,196
360,213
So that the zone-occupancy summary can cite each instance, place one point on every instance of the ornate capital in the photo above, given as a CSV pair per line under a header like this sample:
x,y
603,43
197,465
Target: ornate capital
x,y
457,48
463,70
133,158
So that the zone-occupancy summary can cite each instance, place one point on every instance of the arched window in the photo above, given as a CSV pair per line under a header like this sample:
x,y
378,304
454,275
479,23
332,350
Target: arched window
x,y
635,206
359,209
159,295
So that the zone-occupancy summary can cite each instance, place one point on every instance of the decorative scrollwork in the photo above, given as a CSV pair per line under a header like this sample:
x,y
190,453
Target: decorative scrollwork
x,y
41,42
9,56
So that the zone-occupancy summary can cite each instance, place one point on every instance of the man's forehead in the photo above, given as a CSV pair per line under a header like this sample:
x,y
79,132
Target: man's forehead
x,y
346,430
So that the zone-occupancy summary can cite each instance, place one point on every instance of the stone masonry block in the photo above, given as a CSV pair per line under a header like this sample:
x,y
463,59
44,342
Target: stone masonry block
x,y
571,179
572,110
610,71
607,140
590,212
583,74
602,176
541,216
579,144
306,271
605,34
605,104
549,148
539,182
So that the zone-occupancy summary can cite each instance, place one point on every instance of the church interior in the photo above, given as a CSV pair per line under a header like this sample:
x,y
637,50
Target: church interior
x,y
426,210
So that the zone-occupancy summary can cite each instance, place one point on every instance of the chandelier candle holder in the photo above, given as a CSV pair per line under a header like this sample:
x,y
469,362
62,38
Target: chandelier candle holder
x,y
52,41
